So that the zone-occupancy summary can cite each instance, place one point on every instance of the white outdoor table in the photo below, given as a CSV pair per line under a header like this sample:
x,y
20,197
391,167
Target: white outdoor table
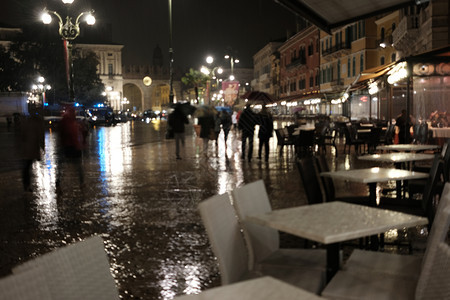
x,y
264,288
333,222
397,158
372,176
440,132
408,147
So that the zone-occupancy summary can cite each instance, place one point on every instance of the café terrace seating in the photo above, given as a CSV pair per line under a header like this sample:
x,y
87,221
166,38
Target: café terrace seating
x,y
264,242
405,279
78,271
402,265
228,244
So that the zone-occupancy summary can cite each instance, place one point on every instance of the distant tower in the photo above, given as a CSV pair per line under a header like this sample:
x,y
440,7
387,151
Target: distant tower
x,y
157,57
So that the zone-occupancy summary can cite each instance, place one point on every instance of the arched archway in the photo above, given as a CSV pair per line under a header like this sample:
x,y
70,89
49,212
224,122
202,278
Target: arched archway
x,y
134,96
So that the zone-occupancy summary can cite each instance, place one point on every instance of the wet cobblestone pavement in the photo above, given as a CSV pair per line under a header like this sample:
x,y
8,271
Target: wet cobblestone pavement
x,y
142,201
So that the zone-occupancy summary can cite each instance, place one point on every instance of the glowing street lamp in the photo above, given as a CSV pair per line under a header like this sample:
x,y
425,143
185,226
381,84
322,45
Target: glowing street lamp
x,y
68,31
38,90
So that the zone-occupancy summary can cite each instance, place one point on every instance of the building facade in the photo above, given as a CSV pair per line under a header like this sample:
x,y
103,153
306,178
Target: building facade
x,y
109,70
262,66
422,28
299,69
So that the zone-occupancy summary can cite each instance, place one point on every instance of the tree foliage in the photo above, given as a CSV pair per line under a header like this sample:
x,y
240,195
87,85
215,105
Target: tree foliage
x,y
32,54
195,79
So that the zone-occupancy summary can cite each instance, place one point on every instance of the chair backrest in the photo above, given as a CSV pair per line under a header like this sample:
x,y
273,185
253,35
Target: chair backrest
x,y
327,182
435,272
423,133
439,229
224,233
279,134
251,199
77,271
430,187
29,285
308,173
389,134
445,155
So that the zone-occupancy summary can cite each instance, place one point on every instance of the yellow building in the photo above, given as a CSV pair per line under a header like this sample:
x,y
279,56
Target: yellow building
x,y
385,27
345,54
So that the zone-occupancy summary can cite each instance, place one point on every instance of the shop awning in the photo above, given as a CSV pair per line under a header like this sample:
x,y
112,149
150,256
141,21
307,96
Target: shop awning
x,y
374,73
293,98
329,14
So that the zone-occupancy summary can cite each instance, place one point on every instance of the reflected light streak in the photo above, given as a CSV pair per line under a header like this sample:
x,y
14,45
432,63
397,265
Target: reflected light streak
x,y
173,272
115,158
45,170
347,163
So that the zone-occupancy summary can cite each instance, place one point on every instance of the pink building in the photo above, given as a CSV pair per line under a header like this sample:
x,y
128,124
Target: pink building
x,y
299,71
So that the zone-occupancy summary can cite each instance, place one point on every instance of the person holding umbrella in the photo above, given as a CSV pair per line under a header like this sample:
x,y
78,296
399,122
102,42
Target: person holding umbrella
x,y
265,132
177,120
206,121
247,123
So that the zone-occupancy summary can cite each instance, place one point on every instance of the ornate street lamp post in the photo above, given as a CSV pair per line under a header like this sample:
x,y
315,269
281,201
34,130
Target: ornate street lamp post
x,y
68,31
212,74
232,62
170,55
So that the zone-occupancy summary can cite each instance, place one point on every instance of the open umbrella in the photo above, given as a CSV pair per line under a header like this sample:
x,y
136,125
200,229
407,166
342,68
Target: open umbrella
x,y
186,108
205,111
258,97
224,108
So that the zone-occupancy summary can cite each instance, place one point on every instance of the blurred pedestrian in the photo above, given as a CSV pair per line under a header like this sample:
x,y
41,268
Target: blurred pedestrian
x,y
207,125
225,120
404,123
217,127
265,122
32,140
71,144
246,124
177,119
234,119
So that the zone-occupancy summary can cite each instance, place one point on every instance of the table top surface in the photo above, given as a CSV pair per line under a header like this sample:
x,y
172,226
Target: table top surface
x,y
265,288
408,147
397,157
336,221
372,175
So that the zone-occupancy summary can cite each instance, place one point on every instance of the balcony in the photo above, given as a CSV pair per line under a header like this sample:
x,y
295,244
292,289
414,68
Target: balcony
x,y
406,32
337,83
296,62
336,48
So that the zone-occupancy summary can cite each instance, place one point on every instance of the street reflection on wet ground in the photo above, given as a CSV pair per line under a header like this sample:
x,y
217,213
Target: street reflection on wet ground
x,y
142,201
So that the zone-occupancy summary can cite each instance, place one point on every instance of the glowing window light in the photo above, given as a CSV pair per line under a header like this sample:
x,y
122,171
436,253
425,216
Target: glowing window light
x,y
397,73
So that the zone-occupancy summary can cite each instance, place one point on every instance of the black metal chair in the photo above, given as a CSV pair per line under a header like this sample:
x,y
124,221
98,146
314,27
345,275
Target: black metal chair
x,y
425,207
351,140
304,143
311,183
282,139
329,188
326,137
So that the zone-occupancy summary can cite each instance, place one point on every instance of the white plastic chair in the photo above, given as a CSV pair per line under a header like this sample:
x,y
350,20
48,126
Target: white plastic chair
x,y
28,285
227,242
264,242
401,265
77,271
367,284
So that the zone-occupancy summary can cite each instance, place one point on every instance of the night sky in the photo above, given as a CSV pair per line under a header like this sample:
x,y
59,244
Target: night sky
x,y
200,27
